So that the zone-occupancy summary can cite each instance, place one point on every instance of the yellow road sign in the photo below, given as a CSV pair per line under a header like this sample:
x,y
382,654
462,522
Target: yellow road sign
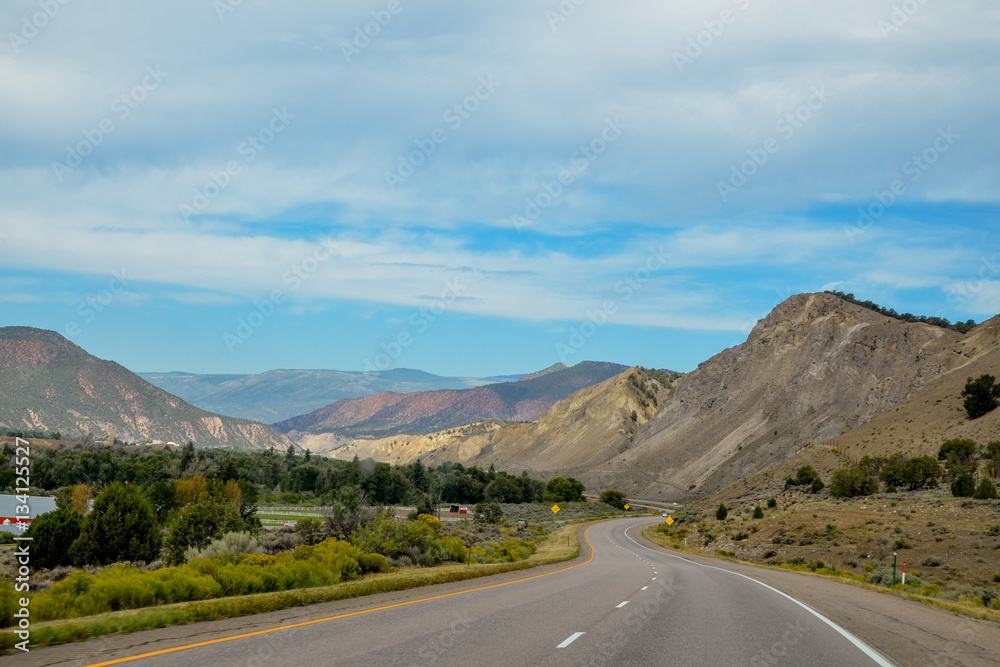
x,y
669,520
555,509
626,505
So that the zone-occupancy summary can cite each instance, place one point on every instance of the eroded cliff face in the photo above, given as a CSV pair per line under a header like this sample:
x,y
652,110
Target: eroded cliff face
x,y
814,368
47,382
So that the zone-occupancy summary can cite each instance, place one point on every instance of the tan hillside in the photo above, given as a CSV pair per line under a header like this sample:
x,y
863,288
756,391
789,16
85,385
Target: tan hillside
x,y
915,427
573,434
814,368
48,383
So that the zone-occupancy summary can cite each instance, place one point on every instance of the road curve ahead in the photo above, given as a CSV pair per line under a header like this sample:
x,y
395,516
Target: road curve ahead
x,y
625,605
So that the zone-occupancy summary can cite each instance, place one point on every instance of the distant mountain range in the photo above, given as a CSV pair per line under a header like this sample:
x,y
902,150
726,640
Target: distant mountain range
x,y
281,394
388,413
817,370
48,383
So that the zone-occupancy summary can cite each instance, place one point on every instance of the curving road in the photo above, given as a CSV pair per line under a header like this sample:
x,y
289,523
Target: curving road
x,y
624,605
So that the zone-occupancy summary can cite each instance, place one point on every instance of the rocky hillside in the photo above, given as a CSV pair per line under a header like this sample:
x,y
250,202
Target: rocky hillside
x,y
576,432
817,369
282,394
388,413
48,383
814,368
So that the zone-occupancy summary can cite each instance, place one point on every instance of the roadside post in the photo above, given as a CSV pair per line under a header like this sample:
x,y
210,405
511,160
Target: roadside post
x,y
893,568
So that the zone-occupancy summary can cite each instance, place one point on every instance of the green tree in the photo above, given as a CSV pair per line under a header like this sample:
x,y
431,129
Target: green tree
x,y
981,395
53,533
772,503
504,489
121,527
963,486
758,512
488,513
188,458
985,491
614,498
920,471
958,455
721,512
563,490
856,481
198,524
816,486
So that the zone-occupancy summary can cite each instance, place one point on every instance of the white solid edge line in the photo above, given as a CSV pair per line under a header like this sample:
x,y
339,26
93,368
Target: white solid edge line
x,y
847,634
572,638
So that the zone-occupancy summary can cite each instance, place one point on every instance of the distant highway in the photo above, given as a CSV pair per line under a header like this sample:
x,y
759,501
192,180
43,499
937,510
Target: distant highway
x,y
625,604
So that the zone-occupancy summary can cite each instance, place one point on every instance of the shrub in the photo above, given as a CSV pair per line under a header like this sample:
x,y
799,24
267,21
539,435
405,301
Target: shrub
x,y
770,553
490,513
816,486
197,524
120,527
931,561
772,503
994,530
980,395
227,548
856,481
614,498
721,512
985,490
758,512
53,533
902,543
963,486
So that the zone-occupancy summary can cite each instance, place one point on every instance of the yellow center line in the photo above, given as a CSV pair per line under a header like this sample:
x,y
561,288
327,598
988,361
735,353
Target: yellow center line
x,y
333,618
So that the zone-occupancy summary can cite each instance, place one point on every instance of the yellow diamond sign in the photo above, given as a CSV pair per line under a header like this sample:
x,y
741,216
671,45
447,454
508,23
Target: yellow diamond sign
x,y
555,509
626,505
669,520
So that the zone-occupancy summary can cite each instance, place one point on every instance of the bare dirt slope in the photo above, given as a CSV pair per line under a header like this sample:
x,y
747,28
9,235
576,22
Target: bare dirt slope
x,y
48,383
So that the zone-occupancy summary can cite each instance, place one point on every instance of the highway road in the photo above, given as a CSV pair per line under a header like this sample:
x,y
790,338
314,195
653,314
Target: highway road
x,y
626,604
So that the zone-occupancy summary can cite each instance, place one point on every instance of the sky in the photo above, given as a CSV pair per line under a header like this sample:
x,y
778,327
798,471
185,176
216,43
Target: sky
x,y
472,189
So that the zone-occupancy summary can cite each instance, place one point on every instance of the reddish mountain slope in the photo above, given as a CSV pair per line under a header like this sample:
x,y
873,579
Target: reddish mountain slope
x,y
424,412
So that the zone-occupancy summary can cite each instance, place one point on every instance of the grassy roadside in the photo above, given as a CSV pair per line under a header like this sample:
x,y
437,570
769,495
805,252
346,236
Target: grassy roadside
x,y
964,608
560,545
